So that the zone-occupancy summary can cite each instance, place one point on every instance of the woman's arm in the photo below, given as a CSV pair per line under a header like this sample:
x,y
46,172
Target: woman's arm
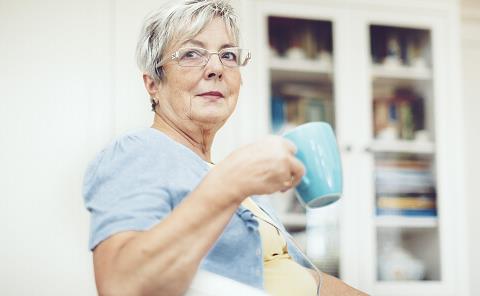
x,y
332,286
164,259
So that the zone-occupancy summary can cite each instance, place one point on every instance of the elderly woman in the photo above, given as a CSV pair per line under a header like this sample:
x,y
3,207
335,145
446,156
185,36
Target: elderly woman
x,y
160,209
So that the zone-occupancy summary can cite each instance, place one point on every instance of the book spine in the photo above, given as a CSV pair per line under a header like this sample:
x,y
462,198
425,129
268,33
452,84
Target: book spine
x,y
407,212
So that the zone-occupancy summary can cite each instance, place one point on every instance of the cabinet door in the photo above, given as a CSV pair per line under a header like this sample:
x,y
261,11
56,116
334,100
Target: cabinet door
x,y
393,100
299,71
404,192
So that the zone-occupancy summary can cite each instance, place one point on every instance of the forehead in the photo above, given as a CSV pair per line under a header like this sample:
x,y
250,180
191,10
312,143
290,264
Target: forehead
x,y
214,35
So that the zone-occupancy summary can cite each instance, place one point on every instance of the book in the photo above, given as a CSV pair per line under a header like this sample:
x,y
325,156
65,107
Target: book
x,y
384,189
407,212
278,113
403,111
306,103
403,163
313,109
406,203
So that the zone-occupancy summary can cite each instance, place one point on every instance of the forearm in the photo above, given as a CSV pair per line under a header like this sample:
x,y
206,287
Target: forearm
x,y
163,260
332,286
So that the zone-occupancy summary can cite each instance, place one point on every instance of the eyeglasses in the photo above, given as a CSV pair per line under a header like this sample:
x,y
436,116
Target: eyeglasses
x,y
198,57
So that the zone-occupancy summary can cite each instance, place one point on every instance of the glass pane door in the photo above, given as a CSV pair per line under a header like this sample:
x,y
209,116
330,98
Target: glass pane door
x,y
301,88
404,154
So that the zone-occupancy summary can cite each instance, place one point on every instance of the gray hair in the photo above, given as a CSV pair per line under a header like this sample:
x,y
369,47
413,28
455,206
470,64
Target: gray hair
x,y
176,21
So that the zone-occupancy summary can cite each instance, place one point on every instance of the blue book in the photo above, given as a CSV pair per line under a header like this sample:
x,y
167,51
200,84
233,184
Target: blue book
x,y
407,212
278,113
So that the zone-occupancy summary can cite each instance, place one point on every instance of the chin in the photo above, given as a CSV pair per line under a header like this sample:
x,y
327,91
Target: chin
x,y
212,118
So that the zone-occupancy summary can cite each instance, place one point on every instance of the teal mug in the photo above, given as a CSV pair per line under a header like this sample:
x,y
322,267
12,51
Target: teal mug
x,y
317,149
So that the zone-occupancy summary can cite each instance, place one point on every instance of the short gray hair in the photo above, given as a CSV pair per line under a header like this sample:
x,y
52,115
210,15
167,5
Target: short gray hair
x,y
176,21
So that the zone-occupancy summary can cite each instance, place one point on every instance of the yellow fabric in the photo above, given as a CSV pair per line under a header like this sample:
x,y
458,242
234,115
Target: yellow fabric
x,y
282,275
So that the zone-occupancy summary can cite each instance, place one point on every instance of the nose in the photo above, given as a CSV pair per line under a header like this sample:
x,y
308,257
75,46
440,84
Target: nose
x,y
214,68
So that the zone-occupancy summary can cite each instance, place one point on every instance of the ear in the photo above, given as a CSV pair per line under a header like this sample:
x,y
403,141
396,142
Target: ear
x,y
150,84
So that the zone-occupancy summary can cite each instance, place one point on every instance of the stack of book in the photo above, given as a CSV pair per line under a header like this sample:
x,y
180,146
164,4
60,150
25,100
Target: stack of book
x,y
298,103
405,188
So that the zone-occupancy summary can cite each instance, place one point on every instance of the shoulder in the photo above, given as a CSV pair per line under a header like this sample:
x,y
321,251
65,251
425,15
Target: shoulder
x,y
145,142
136,147
121,151
131,155
142,155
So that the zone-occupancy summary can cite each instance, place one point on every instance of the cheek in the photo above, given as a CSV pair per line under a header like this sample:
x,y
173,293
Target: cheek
x,y
186,82
183,90
234,83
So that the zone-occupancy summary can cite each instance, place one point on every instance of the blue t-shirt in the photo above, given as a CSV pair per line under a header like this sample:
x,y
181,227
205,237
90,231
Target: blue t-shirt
x,y
136,181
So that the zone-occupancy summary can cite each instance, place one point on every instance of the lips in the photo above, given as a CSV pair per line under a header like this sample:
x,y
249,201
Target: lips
x,y
212,94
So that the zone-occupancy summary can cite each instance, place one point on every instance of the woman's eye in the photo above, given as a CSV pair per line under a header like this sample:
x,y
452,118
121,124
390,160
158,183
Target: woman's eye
x,y
191,54
229,55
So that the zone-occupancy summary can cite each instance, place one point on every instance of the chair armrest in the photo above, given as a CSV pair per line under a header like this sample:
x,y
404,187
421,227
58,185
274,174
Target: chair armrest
x,y
210,284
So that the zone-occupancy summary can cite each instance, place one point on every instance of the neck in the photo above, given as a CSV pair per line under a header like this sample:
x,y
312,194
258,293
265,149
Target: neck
x,y
196,138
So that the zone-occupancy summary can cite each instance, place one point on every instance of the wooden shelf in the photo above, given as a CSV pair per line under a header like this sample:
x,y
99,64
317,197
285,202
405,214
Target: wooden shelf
x,y
282,69
401,72
300,65
406,222
403,146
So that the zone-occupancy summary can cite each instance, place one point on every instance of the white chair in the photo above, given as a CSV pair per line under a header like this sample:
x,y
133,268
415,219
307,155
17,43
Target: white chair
x,y
209,284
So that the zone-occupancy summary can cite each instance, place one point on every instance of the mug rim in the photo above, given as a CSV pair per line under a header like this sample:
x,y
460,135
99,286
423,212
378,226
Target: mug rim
x,y
307,125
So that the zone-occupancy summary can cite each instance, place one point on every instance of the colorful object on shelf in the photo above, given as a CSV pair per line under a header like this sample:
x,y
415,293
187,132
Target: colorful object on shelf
x,y
395,263
405,188
325,58
393,57
300,39
395,47
406,121
296,53
307,103
278,113
399,116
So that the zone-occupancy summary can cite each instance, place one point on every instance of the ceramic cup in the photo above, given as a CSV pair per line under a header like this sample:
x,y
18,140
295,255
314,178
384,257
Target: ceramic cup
x,y
318,151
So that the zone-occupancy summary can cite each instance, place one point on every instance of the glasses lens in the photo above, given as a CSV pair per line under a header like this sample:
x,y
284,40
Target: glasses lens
x,y
190,57
230,56
234,57
195,57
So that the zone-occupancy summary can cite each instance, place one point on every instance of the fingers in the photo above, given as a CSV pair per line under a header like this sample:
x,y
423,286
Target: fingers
x,y
297,171
296,168
290,146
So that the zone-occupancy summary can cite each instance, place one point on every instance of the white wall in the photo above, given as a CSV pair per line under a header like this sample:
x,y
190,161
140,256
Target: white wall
x,y
55,113
69,84
471,93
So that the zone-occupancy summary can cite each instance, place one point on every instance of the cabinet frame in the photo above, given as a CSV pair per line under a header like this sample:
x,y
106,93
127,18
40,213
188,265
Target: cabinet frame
x,y
352,83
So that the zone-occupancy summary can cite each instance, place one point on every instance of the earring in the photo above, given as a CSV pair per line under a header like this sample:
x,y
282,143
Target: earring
x,y
154,102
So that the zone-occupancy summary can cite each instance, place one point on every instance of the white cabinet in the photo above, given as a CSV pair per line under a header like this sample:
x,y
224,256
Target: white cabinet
x,y
386,78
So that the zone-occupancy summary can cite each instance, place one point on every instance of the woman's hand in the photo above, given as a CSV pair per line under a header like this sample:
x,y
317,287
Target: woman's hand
x,y
263,167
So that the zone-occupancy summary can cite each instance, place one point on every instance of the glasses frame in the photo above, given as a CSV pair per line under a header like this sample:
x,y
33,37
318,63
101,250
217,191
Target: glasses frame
x,y
176,55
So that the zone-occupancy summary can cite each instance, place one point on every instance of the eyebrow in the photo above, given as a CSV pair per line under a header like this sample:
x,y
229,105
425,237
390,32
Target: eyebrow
x,y
201,44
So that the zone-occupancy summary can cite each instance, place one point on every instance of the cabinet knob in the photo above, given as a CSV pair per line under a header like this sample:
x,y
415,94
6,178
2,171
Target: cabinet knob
x,y
347,148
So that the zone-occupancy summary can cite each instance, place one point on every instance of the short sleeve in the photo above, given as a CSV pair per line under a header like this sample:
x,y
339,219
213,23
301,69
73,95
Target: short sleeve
x,y
124,191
